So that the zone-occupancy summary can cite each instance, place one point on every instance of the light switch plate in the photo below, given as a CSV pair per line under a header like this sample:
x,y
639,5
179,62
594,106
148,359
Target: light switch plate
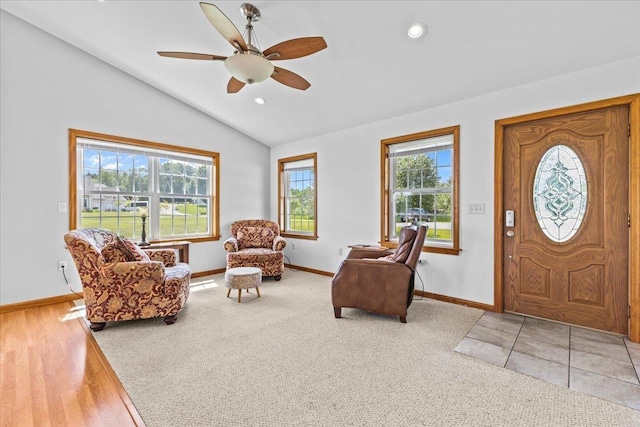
x,y
476,208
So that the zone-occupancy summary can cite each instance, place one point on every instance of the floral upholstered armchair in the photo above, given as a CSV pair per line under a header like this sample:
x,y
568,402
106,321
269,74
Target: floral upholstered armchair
x,y
120,281
256,243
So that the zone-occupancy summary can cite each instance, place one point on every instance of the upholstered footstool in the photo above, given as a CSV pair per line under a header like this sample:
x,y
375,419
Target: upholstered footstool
x,y
243,278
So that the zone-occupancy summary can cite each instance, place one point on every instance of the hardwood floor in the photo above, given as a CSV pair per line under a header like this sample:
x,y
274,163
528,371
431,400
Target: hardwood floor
x,y
52,372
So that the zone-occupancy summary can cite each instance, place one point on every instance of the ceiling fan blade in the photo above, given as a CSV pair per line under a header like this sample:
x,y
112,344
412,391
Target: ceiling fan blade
x,y
234,85
289,78
189,55
295,48
224,25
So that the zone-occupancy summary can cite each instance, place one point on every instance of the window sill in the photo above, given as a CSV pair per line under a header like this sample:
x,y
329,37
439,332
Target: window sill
x,y
430,249
439,250
190,239
299,236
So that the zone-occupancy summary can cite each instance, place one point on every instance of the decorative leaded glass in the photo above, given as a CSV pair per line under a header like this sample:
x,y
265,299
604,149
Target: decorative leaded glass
x,y
560,193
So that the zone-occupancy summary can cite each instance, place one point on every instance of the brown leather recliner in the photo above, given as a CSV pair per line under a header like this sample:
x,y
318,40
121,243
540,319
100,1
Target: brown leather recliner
x,y
383,284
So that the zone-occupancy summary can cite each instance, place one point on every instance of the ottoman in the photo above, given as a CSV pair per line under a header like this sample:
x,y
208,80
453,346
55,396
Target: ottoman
x,y
243,278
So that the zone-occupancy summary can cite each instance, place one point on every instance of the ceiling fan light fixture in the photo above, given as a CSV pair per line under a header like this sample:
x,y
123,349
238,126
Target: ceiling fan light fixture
x,y
416,30
249,67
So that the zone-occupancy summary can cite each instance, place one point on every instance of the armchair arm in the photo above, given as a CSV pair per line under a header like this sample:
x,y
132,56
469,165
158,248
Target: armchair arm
x,y
122,274
231,244
279,243
166,256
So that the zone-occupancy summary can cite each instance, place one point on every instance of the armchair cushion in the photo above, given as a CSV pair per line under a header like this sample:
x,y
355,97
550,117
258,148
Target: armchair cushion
x,y
113,252
166,256
133,251
405,244
255,237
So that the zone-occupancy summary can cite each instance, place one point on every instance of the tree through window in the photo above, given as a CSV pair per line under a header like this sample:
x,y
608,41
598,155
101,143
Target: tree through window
x,y
297,196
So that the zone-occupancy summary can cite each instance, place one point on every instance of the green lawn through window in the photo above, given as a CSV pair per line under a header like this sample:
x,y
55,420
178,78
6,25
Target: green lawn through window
x,y
130,226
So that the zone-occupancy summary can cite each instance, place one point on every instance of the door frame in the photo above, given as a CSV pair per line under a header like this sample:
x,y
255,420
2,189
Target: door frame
x,y
633,102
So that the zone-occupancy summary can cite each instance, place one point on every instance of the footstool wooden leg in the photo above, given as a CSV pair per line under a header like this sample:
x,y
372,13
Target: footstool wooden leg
x,y
239,294
258,291
228,292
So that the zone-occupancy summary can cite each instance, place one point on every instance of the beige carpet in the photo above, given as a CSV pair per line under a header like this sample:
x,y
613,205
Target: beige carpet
x,y
283,360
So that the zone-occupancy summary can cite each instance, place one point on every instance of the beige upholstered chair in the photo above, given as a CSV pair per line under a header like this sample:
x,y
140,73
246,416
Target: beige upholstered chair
x,y
256,243
122,282
380,282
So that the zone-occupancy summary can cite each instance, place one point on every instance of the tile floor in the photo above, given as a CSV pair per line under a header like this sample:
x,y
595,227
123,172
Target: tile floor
x,y
592,362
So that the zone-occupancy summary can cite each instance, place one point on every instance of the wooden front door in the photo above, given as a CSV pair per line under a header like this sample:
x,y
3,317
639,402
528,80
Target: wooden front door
x,y
566,179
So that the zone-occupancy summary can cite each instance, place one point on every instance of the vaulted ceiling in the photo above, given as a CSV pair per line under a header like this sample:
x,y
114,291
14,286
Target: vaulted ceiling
x,y
370,70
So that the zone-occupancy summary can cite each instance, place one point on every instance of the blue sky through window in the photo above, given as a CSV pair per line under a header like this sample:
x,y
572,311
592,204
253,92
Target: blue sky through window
x,y
110,160
301,179
442,161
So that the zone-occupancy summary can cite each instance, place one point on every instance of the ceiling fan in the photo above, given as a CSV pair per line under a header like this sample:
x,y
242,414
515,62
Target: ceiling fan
x,y
248,64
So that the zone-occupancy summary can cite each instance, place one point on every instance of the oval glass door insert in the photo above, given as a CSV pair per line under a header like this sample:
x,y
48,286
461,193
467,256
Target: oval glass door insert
x,y
560,193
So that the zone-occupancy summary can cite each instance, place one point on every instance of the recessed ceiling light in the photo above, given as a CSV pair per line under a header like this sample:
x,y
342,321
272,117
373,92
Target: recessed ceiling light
x,y
416,30
260,101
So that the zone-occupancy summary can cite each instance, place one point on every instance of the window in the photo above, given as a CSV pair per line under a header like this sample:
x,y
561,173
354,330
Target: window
x,y
420,184
115,180
297,196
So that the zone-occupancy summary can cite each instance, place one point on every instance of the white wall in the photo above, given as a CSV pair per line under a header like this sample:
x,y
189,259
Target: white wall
x,y
47,86
349,177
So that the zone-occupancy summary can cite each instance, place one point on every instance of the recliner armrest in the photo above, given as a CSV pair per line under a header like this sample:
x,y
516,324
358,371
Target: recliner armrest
x,y
367,253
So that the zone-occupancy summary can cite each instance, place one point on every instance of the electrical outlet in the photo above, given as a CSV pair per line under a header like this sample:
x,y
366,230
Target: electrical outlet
x,y
340,251
62,265
293,246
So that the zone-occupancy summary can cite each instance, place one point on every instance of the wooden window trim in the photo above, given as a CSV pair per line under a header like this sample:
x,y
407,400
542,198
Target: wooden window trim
x,y
385,191
281,212
73,176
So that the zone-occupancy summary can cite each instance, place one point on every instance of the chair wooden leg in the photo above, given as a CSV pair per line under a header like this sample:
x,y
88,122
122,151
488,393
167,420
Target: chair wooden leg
x,y
258,291
278,277
337,311
170,320
228,292
239,294
97,326
403,319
